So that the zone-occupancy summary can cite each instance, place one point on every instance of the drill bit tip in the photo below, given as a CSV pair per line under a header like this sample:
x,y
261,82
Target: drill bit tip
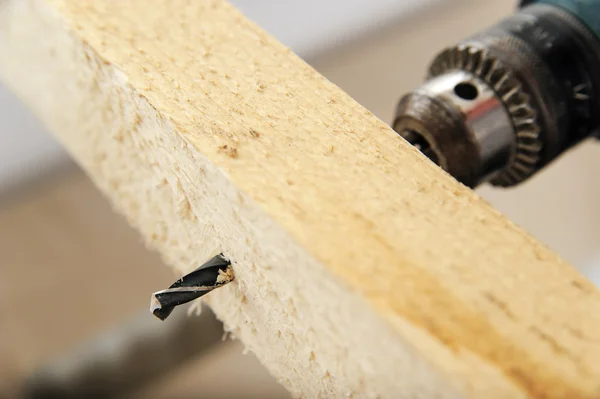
x,y
212,274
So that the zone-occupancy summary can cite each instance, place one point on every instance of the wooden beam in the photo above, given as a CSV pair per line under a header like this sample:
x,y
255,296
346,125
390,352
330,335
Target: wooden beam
x,y
362,269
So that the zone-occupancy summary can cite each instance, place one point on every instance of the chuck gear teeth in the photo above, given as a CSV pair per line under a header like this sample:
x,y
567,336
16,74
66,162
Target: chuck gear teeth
x,y
509,90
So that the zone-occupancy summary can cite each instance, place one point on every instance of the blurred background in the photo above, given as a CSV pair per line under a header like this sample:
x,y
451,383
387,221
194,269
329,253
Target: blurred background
x,y
75,280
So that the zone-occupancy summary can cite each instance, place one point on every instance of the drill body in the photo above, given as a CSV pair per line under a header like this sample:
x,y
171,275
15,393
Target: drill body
x,y
504,103
588,11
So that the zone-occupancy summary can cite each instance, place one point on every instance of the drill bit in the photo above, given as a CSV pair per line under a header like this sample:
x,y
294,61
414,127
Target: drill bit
x,y
212,274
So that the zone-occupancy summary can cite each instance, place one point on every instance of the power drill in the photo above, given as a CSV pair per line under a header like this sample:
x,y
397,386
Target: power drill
x,y
504,103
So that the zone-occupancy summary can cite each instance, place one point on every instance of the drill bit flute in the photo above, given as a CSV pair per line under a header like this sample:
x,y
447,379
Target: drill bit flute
x,y
213,274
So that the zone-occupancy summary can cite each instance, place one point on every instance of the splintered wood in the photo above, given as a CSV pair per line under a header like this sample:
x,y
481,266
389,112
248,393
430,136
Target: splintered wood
x,y
362,270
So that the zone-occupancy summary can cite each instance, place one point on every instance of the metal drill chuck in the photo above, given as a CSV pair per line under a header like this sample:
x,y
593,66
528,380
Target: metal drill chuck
x,y
503,104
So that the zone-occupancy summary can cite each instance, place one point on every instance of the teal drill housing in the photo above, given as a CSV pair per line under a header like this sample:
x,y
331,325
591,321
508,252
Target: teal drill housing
x,y
588,11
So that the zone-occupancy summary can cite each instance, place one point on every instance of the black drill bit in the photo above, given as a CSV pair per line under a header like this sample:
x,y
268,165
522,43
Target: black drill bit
x,y
213,274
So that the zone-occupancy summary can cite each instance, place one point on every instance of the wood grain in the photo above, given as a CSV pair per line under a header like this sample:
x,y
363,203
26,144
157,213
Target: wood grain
x,y
362,269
